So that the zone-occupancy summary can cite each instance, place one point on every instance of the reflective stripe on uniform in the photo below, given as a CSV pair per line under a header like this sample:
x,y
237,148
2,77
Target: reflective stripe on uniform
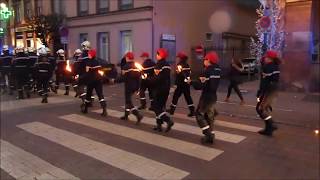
x,y
101,100
267,118
162,114
206,127
43,70
152,67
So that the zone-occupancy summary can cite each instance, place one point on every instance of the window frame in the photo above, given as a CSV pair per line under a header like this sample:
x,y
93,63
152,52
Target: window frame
x,y
82,13
80,34
121,39
102,10
125,7
27,12
108,42
38,7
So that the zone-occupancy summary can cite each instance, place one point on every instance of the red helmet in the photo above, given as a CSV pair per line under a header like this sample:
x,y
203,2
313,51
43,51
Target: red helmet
x,y
212,57
145,54
92,53
271,54
163,53
182,55
129,55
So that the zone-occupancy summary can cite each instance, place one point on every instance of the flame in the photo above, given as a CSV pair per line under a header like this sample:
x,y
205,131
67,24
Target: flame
x,y
179,68
139,66
101,72
68,67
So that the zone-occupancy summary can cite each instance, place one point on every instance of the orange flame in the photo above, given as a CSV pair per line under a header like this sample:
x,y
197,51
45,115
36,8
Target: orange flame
x,y
101,72
139,66
179,68
68,67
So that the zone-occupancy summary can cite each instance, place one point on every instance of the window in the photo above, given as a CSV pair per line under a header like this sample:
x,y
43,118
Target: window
x,y
83,7
103,46
125,4
209,37
83,37
102,6
126,42
38,7
17,16
28,9
58,6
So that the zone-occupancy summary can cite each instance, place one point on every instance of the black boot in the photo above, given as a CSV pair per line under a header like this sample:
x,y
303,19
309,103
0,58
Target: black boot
x,y
208,137
172,109
158,127
192,113
126,115
169,122
84,108
143,103
138,116
104,108
269,128
44,99
67,91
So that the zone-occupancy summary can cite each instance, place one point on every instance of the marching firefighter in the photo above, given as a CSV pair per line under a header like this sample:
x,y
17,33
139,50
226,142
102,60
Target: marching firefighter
x,y
161,88
43,72
93,80
130,75
76,67
52,61
183,72
61,74
22,72
209,82
148,69
6,70
33,58
268,90
81,70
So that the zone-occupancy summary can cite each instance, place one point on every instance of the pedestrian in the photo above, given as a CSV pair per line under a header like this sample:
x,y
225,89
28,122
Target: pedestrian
x,y
130,75
268,90
7,81
61,74
183,72
234,79
81,70
43,73
161,89
21,70
93,80
148,69
209,83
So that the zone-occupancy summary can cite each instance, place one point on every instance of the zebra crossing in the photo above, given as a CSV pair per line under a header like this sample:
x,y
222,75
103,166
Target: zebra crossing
x,y
137,165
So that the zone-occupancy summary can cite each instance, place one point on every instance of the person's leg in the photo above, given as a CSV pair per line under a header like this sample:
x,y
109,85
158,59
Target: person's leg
x,y
229,91
142,95
176,95
85,105
237,90
262,110
99,90
189,100
201,117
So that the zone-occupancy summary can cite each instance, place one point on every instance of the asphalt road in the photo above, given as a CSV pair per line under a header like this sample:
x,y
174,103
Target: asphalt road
x,y
56,141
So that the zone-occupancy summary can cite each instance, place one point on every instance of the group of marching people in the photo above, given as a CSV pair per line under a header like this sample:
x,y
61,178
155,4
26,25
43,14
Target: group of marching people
x,y
84,73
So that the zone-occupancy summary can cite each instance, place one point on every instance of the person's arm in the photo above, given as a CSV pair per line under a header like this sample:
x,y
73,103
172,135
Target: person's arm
x,y
240,69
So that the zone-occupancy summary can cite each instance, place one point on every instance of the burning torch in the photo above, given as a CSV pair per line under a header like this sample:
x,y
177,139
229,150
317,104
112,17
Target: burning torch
x,y
179,70
68,67
140,68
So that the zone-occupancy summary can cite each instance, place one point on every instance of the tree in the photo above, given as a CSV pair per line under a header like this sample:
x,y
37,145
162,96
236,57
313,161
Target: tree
x,y
47,29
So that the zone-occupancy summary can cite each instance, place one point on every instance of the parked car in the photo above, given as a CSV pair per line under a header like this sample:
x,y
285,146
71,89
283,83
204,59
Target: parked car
x,y
249,65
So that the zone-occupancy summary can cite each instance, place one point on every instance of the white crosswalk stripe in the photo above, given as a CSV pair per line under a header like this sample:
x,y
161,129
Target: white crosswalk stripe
x,y
232,125
135,164
223,136
24,165
191,149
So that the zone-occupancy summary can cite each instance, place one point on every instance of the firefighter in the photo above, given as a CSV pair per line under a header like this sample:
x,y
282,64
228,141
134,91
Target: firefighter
x,y
268,90
6,70
161,84
209,82
93,80
61,74
52,61
43,72
76,67
21,71
130,75
33,58
81,70
148,69
183,72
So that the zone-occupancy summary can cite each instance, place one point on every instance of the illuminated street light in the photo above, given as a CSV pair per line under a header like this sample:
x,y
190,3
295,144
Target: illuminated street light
x,y
316,132
3,5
